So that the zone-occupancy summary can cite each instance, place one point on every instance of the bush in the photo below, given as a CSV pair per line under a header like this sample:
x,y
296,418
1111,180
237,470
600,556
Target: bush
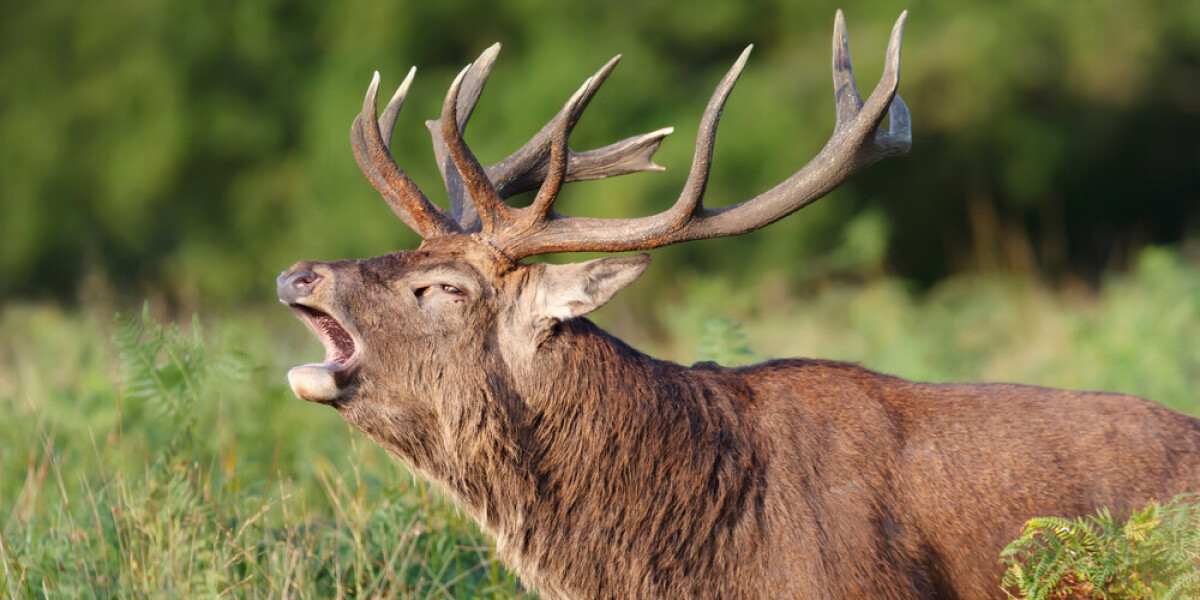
x,y
1152,554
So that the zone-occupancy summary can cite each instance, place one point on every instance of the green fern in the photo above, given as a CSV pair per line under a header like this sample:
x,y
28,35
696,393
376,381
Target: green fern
x,y
1186,586
1155,553
167,371
722,341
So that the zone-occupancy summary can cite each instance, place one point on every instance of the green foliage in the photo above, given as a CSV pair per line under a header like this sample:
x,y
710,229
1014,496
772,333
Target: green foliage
x,y
182,527
169,371
199,148
722,341
103,495
1155,553
1136,335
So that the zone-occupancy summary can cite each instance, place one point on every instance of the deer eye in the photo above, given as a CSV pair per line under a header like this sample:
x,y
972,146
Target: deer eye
x,y
443,287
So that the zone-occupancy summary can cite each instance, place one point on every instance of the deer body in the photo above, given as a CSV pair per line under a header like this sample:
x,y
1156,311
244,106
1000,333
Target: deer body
x,y
628,477
604,473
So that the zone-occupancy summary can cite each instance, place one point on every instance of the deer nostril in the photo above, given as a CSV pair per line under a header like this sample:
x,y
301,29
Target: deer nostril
x,y
296,284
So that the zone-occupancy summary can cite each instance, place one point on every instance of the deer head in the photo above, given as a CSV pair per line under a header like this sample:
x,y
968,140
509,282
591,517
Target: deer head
x,y
418,342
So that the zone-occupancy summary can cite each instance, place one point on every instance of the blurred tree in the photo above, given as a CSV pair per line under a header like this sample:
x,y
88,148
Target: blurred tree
x,y
199,148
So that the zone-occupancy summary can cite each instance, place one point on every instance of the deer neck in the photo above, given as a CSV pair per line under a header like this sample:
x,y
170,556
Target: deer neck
x,y
607,439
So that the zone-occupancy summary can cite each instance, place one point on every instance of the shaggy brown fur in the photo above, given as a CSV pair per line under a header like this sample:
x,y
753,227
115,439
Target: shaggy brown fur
x,y
604,473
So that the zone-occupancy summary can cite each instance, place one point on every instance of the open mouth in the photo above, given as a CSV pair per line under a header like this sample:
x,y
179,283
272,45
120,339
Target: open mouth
x,y
339,344
323,382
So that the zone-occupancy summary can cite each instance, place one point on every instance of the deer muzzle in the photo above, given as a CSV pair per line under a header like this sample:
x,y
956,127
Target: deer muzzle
x,y
294,284
317,382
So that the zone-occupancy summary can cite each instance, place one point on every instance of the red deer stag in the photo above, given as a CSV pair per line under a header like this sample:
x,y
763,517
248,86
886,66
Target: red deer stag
x,y
605,473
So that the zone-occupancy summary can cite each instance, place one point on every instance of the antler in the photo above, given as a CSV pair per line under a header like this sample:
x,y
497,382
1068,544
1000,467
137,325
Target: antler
x,y
526,168
857,142
372,151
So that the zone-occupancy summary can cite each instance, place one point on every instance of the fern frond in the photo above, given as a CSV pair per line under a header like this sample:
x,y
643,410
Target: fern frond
x,y
1154,553
722,341
1184,586
169,370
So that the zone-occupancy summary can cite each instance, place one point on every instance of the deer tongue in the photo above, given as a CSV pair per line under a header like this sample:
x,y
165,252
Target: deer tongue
x,y
315,382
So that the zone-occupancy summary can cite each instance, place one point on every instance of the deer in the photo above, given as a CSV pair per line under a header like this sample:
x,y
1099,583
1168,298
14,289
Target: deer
x,y
601,472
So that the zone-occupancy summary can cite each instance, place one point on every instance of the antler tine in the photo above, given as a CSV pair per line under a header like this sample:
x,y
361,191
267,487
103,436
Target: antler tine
x,y
881,101
856,142
899,137
543,203
845,89
527,168
373,157
387,121
898,140
493,212
850,148
690,199
472,86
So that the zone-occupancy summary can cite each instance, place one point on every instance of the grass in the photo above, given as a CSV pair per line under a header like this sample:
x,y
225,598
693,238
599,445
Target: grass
x,y
164,483
164,463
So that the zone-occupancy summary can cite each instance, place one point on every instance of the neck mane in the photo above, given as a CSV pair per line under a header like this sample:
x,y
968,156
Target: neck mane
x,y
645,467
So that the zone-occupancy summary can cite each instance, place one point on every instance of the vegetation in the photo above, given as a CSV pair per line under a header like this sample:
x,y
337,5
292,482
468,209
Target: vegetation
x,y
197,149
138,459
169,511
1043,231
1155,553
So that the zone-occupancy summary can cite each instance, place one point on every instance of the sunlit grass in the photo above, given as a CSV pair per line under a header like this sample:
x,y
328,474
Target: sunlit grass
x,y
215,481
181,473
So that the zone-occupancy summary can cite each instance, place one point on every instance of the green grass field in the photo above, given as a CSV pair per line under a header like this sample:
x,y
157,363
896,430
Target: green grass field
x,y
148,461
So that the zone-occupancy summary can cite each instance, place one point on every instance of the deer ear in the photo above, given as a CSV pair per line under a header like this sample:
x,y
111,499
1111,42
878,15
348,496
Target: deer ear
x,y
567,291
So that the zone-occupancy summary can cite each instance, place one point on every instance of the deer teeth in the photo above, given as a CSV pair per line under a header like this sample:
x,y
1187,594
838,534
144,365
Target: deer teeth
x,y
339,344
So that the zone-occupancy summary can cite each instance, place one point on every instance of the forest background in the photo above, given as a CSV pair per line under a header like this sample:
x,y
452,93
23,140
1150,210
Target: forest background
x,y
1045,228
